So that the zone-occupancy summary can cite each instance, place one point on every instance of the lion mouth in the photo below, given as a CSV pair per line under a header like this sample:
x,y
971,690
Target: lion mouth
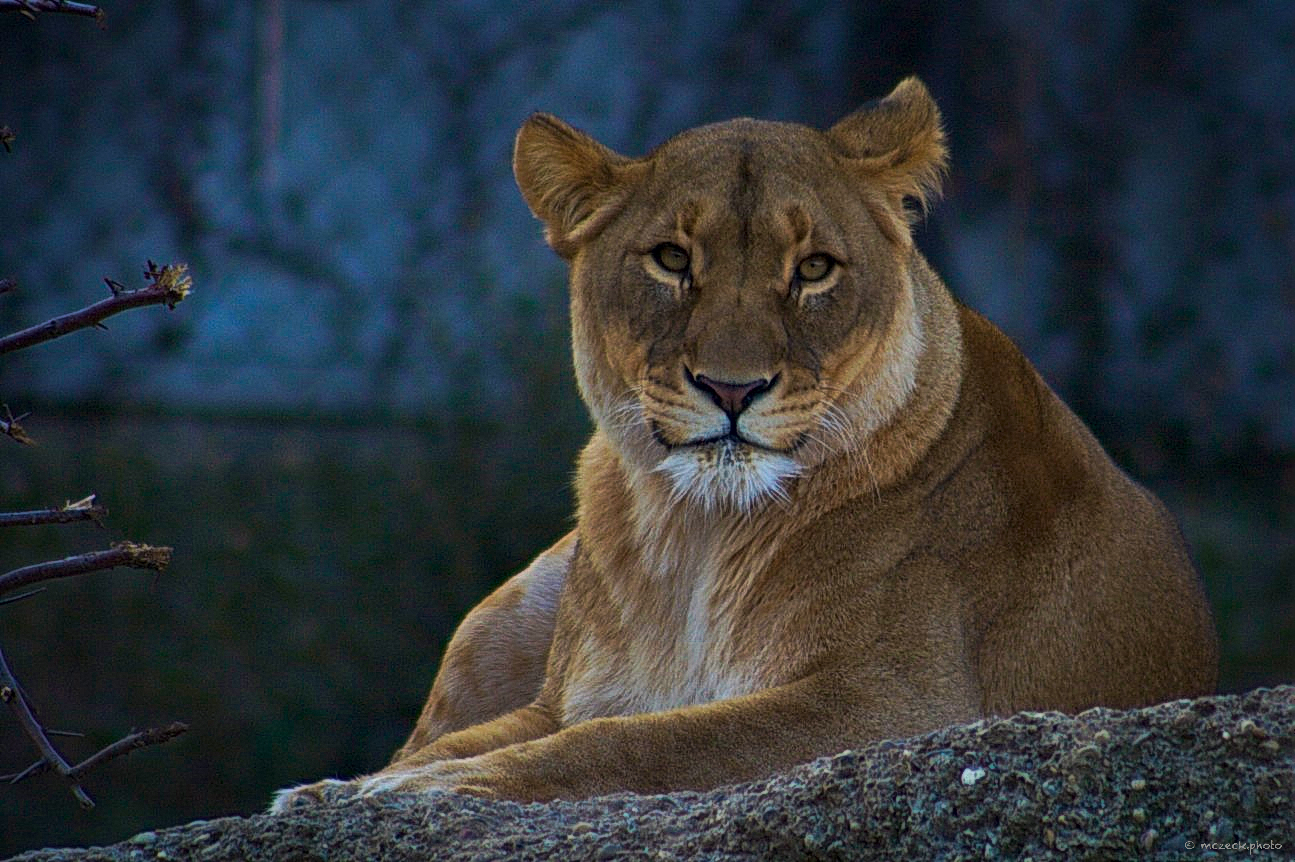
x,y
726,447
728,442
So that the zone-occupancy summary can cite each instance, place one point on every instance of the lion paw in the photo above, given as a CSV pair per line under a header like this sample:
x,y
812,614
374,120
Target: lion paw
x,y
326,792
386,782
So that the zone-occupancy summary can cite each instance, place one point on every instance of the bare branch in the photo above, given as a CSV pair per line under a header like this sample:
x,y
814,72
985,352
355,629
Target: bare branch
x,y
10,428
12,695
75,734
81,510
126,554
29,8
7,137
35,769
170,285
125,745
18,598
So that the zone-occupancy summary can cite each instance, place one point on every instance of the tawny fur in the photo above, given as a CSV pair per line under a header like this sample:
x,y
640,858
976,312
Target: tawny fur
x,y
905,529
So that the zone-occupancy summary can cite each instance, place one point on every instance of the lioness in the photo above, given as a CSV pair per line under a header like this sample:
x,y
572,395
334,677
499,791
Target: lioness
x,y
824,503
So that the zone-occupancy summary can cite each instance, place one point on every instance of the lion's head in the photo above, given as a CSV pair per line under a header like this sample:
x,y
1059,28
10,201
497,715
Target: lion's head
x,y
743,304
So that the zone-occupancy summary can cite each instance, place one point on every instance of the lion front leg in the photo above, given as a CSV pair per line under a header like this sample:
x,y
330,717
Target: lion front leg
x,y
493,666
691,748
495,662
517,727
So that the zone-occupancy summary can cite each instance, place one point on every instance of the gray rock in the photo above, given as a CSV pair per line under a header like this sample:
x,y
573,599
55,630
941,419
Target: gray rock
x,y
1167,782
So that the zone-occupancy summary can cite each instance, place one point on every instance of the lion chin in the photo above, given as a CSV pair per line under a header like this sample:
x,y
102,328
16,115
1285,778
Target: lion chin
x,y
727,475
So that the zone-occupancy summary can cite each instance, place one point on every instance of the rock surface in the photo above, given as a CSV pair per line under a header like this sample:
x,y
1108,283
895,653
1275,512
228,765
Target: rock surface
x,y
1203,779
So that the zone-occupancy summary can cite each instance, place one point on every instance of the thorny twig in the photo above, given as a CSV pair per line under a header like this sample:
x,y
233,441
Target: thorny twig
x,y
82,510
11,693
169,285
128,554
30,8
131,742
10,428
18,598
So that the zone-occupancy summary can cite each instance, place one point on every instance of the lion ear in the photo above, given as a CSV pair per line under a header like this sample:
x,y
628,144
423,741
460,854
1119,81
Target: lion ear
x,y
898,144
570,181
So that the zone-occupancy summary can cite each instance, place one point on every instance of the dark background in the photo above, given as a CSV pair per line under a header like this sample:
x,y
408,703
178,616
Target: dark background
x,y
364,416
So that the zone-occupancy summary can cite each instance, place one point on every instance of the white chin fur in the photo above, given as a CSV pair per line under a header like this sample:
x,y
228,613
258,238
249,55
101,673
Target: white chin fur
x,y
727,476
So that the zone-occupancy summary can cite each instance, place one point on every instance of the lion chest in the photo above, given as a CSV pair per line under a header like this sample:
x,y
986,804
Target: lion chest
x,y
672,645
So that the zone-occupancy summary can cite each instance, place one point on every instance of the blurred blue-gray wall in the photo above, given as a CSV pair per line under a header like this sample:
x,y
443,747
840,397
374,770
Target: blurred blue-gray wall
x,y
337,175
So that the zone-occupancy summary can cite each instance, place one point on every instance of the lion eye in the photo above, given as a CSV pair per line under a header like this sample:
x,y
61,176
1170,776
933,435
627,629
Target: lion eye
x,y
671,257
815,267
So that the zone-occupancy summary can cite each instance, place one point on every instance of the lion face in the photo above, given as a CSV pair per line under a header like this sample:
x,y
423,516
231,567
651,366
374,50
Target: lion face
x,y
742,304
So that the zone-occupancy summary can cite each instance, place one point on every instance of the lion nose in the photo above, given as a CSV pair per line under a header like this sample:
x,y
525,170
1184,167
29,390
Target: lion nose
x,y
732,398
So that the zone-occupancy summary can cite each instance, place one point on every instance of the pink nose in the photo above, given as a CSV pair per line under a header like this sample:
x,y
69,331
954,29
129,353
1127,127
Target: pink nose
x,y
732,398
